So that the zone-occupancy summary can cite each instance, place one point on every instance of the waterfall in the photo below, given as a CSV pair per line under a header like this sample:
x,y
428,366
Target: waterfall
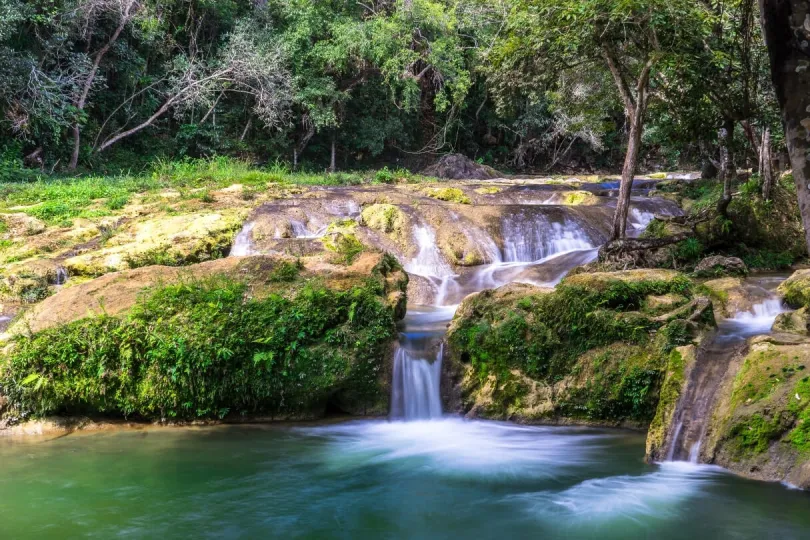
x,y
695,407
415,387
61,276
242,244
430,264
529,238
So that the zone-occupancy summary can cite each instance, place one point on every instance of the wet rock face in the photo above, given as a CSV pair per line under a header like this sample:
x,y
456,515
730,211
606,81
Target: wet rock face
x,y
718,265
459,167
761,425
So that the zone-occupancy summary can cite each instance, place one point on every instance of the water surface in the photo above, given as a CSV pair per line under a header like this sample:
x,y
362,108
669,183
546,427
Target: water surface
x,y
444,478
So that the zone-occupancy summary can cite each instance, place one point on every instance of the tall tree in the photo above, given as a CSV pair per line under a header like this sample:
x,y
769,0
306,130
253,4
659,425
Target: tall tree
x,y
627,38
786,26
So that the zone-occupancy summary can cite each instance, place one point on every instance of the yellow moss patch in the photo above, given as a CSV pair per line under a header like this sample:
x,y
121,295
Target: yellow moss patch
x,y
454,195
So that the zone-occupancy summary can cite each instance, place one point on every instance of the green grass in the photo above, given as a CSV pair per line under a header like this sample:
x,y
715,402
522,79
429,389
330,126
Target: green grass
x,y
55,199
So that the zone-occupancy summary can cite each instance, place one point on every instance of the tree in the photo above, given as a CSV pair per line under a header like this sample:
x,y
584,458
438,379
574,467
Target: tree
x,y
787,36
244,66
89,12
628,38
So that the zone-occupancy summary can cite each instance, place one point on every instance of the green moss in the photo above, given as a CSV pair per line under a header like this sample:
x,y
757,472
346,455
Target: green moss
x,y
489,190
385,218
205,350
551,336
341,239
454,195
754,435
577,198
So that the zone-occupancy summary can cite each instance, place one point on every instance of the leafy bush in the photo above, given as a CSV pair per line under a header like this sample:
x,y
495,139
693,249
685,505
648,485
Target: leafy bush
x,y
206,350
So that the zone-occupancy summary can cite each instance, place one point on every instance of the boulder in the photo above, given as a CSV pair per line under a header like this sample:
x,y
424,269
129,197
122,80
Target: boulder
x,y
760,425
793,322
571,355
459,167
717,265
796,289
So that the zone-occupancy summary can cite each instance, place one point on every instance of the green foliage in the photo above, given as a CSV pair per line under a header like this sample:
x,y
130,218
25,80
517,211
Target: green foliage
x,y
546,335
206,350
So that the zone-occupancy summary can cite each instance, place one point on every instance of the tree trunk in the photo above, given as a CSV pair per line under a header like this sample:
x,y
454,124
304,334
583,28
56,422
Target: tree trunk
x,y
88,83
727,171
333,161
788,41
626,185
766,165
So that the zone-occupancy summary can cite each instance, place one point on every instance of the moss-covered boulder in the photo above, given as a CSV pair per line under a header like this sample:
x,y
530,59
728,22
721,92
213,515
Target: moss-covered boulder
x,y
761,424
255,336
172,240
589,351
717,265
793,322
796,289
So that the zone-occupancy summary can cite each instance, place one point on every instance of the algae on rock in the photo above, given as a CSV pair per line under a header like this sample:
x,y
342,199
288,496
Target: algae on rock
x,y
219,339
583,352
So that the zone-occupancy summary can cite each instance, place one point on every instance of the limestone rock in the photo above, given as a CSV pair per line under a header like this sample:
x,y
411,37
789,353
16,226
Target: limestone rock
x,y
718,265
459,167
170,239
760,426
796,289
115,293
663,303
793,322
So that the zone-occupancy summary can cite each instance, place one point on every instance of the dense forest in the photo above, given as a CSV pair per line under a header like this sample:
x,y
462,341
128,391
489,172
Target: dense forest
x,y
523,85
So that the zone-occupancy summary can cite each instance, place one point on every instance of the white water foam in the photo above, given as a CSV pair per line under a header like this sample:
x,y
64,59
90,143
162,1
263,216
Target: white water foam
x,y
656,494
458,447
758,320
538,238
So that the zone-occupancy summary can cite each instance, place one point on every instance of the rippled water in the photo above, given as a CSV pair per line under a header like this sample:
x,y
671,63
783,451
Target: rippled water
x,y
376,479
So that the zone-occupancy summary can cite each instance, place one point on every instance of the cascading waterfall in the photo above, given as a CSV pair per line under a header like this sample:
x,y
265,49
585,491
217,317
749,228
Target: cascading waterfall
x,y
429,263
61,276
533,237
415,387
691,420
242,244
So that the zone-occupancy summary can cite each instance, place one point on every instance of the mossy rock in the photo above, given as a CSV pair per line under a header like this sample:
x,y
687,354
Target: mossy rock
x,y
793,322
488,190
580,198
251,336
581,353
448,194
173,240
716,266
679,364
341,239
796,289
658,304
760,426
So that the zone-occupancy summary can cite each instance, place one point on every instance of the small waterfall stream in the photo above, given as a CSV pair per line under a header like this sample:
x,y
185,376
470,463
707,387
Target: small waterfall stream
x,y
536,249
691,421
